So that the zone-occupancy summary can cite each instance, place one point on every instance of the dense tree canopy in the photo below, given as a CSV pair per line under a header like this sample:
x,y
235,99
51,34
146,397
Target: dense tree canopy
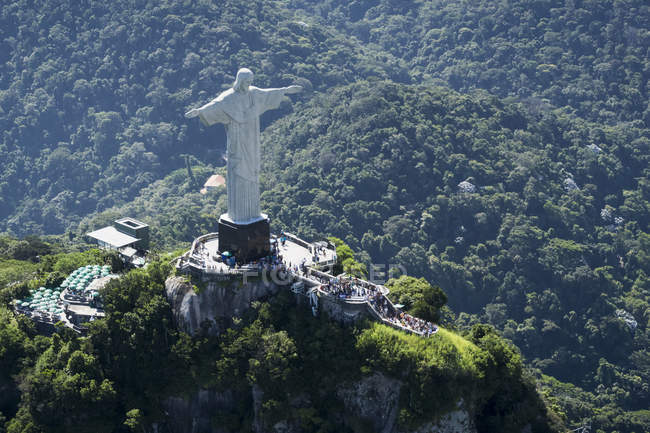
x,y
92,96
588,56
497,152
514,213
111,379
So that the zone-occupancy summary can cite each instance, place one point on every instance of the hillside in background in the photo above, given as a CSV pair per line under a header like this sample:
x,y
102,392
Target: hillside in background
x,y
92,95
589,57
556,259
500,150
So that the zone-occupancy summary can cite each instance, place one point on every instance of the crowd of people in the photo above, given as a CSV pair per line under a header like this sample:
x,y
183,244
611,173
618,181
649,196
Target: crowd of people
x,y
349,288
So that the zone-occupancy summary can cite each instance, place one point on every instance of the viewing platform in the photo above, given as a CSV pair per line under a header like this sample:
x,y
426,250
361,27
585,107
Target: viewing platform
x,y
309,269
204,257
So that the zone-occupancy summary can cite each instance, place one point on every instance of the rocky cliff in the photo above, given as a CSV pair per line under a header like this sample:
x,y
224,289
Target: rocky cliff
x,y
266,398
372,402
194,413
213,306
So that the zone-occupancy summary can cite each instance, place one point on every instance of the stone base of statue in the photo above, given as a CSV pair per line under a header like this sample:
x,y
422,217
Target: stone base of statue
x,y
246,241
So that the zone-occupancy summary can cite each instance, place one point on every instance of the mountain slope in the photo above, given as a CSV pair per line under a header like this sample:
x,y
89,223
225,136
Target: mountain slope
x,y
92,94
517,216
589,56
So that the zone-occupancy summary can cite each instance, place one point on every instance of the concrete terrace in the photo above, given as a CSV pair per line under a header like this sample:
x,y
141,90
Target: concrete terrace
x,y
73,304
204,256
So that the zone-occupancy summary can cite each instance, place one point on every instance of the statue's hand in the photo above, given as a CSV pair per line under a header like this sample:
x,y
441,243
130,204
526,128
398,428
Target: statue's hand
x,y
294,89
192,113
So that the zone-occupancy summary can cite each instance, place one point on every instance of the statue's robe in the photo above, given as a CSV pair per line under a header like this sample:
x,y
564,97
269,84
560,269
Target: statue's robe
x,y
240,112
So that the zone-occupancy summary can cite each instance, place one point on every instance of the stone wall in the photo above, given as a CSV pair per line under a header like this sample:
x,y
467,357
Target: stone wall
x,y
214,305
341,311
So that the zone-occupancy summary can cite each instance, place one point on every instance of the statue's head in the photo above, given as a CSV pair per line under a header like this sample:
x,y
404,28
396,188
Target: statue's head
x,y
243,80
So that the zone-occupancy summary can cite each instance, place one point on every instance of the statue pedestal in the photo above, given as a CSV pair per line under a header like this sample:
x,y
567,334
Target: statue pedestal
x,y
246,241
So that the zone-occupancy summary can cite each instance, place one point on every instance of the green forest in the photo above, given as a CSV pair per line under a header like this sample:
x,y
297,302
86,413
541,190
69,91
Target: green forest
x,y
496,151
109,380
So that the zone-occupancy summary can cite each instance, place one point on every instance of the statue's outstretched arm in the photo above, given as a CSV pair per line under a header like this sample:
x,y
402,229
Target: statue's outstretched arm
x,y
292,89
192,113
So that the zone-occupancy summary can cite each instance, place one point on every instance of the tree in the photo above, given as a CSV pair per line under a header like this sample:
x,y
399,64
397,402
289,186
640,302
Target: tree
x,y
134,420
419,298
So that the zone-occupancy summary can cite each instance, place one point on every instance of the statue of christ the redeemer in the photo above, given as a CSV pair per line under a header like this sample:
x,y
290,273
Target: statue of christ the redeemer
x,y
239,109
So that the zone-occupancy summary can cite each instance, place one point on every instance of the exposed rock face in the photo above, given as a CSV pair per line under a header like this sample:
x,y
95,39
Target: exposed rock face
x,y
570,185
194,414
628,319
341,311
372,401
466,186
375,399
458,421
216,304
